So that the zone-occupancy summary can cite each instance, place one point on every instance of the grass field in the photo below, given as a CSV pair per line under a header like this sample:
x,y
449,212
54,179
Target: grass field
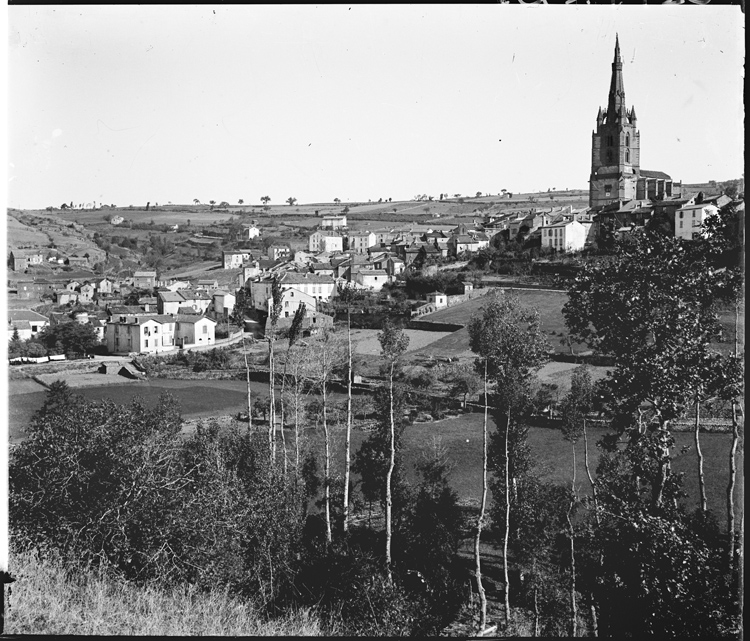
x,y
548,303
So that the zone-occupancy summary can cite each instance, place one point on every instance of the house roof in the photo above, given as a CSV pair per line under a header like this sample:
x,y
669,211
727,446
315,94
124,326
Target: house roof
x,y
25,315
373,272
171,297
194,294
189,311
191,319
144,275
293,278
21,324
126,310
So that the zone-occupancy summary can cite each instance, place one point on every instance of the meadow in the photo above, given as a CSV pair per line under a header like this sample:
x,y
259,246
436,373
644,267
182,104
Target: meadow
x,y
549,303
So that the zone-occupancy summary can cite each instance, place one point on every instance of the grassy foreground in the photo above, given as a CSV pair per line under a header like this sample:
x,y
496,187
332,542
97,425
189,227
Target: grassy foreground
x,y
49,599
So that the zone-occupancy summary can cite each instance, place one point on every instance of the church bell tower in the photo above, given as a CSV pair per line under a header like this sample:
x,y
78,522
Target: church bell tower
x,y
615,148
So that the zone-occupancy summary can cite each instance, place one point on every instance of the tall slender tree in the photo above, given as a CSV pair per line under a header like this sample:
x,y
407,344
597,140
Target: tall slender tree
x,y
241,303
348,294
293,335
274,312
509,338
393,343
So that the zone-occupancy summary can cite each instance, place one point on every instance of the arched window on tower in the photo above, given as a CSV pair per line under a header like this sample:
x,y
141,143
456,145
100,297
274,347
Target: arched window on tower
x,y
610,141
627,140
627,155
609,156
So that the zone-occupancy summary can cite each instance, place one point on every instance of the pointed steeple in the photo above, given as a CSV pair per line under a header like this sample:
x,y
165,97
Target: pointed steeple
x,y
616,103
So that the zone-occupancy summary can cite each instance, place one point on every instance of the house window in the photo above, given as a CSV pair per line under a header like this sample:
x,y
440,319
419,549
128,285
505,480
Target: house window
x,y
156,330
286,314
680,224
205,329
682,213
145,343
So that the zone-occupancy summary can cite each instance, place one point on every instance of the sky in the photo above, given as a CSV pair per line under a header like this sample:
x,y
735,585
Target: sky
x,y
128,104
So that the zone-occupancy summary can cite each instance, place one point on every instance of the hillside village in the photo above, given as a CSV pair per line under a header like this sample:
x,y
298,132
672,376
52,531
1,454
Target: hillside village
x,y
142,311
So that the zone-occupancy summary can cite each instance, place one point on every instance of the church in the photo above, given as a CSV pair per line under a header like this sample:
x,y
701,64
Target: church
x,y
616,174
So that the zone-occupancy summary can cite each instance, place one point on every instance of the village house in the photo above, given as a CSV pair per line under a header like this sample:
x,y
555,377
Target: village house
x,y
19,260
566,236
144,279
206,284
250,231
313,322
361,241
325,241
116,220
27,322
236,258
459,243
331,221
197,300
86,293
76,260
322,269
438,299
372,279
223,303
383,237
169,302
104,286
690,218
194,330
148,334
277,252
318,288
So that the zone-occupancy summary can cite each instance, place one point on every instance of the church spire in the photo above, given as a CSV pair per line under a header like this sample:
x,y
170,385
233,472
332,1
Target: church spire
x,y
616,103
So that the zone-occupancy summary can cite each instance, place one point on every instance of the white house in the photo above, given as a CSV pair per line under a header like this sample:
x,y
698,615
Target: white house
x,y
566,236
325,241
320,288
141,334
250,232
235,259
194,330
169,302
689,218
27,322
361,241
373,279
332,221
438,299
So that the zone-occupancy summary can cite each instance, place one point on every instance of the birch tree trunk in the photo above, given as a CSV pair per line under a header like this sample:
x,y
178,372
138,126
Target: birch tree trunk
x,y
247,378
730,488
701,478
389,474
573,606
506,535
480,518
327,472
347,455
271,403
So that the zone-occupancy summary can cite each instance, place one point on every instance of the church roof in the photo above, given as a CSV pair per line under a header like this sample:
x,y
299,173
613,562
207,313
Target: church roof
x,y
645,173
